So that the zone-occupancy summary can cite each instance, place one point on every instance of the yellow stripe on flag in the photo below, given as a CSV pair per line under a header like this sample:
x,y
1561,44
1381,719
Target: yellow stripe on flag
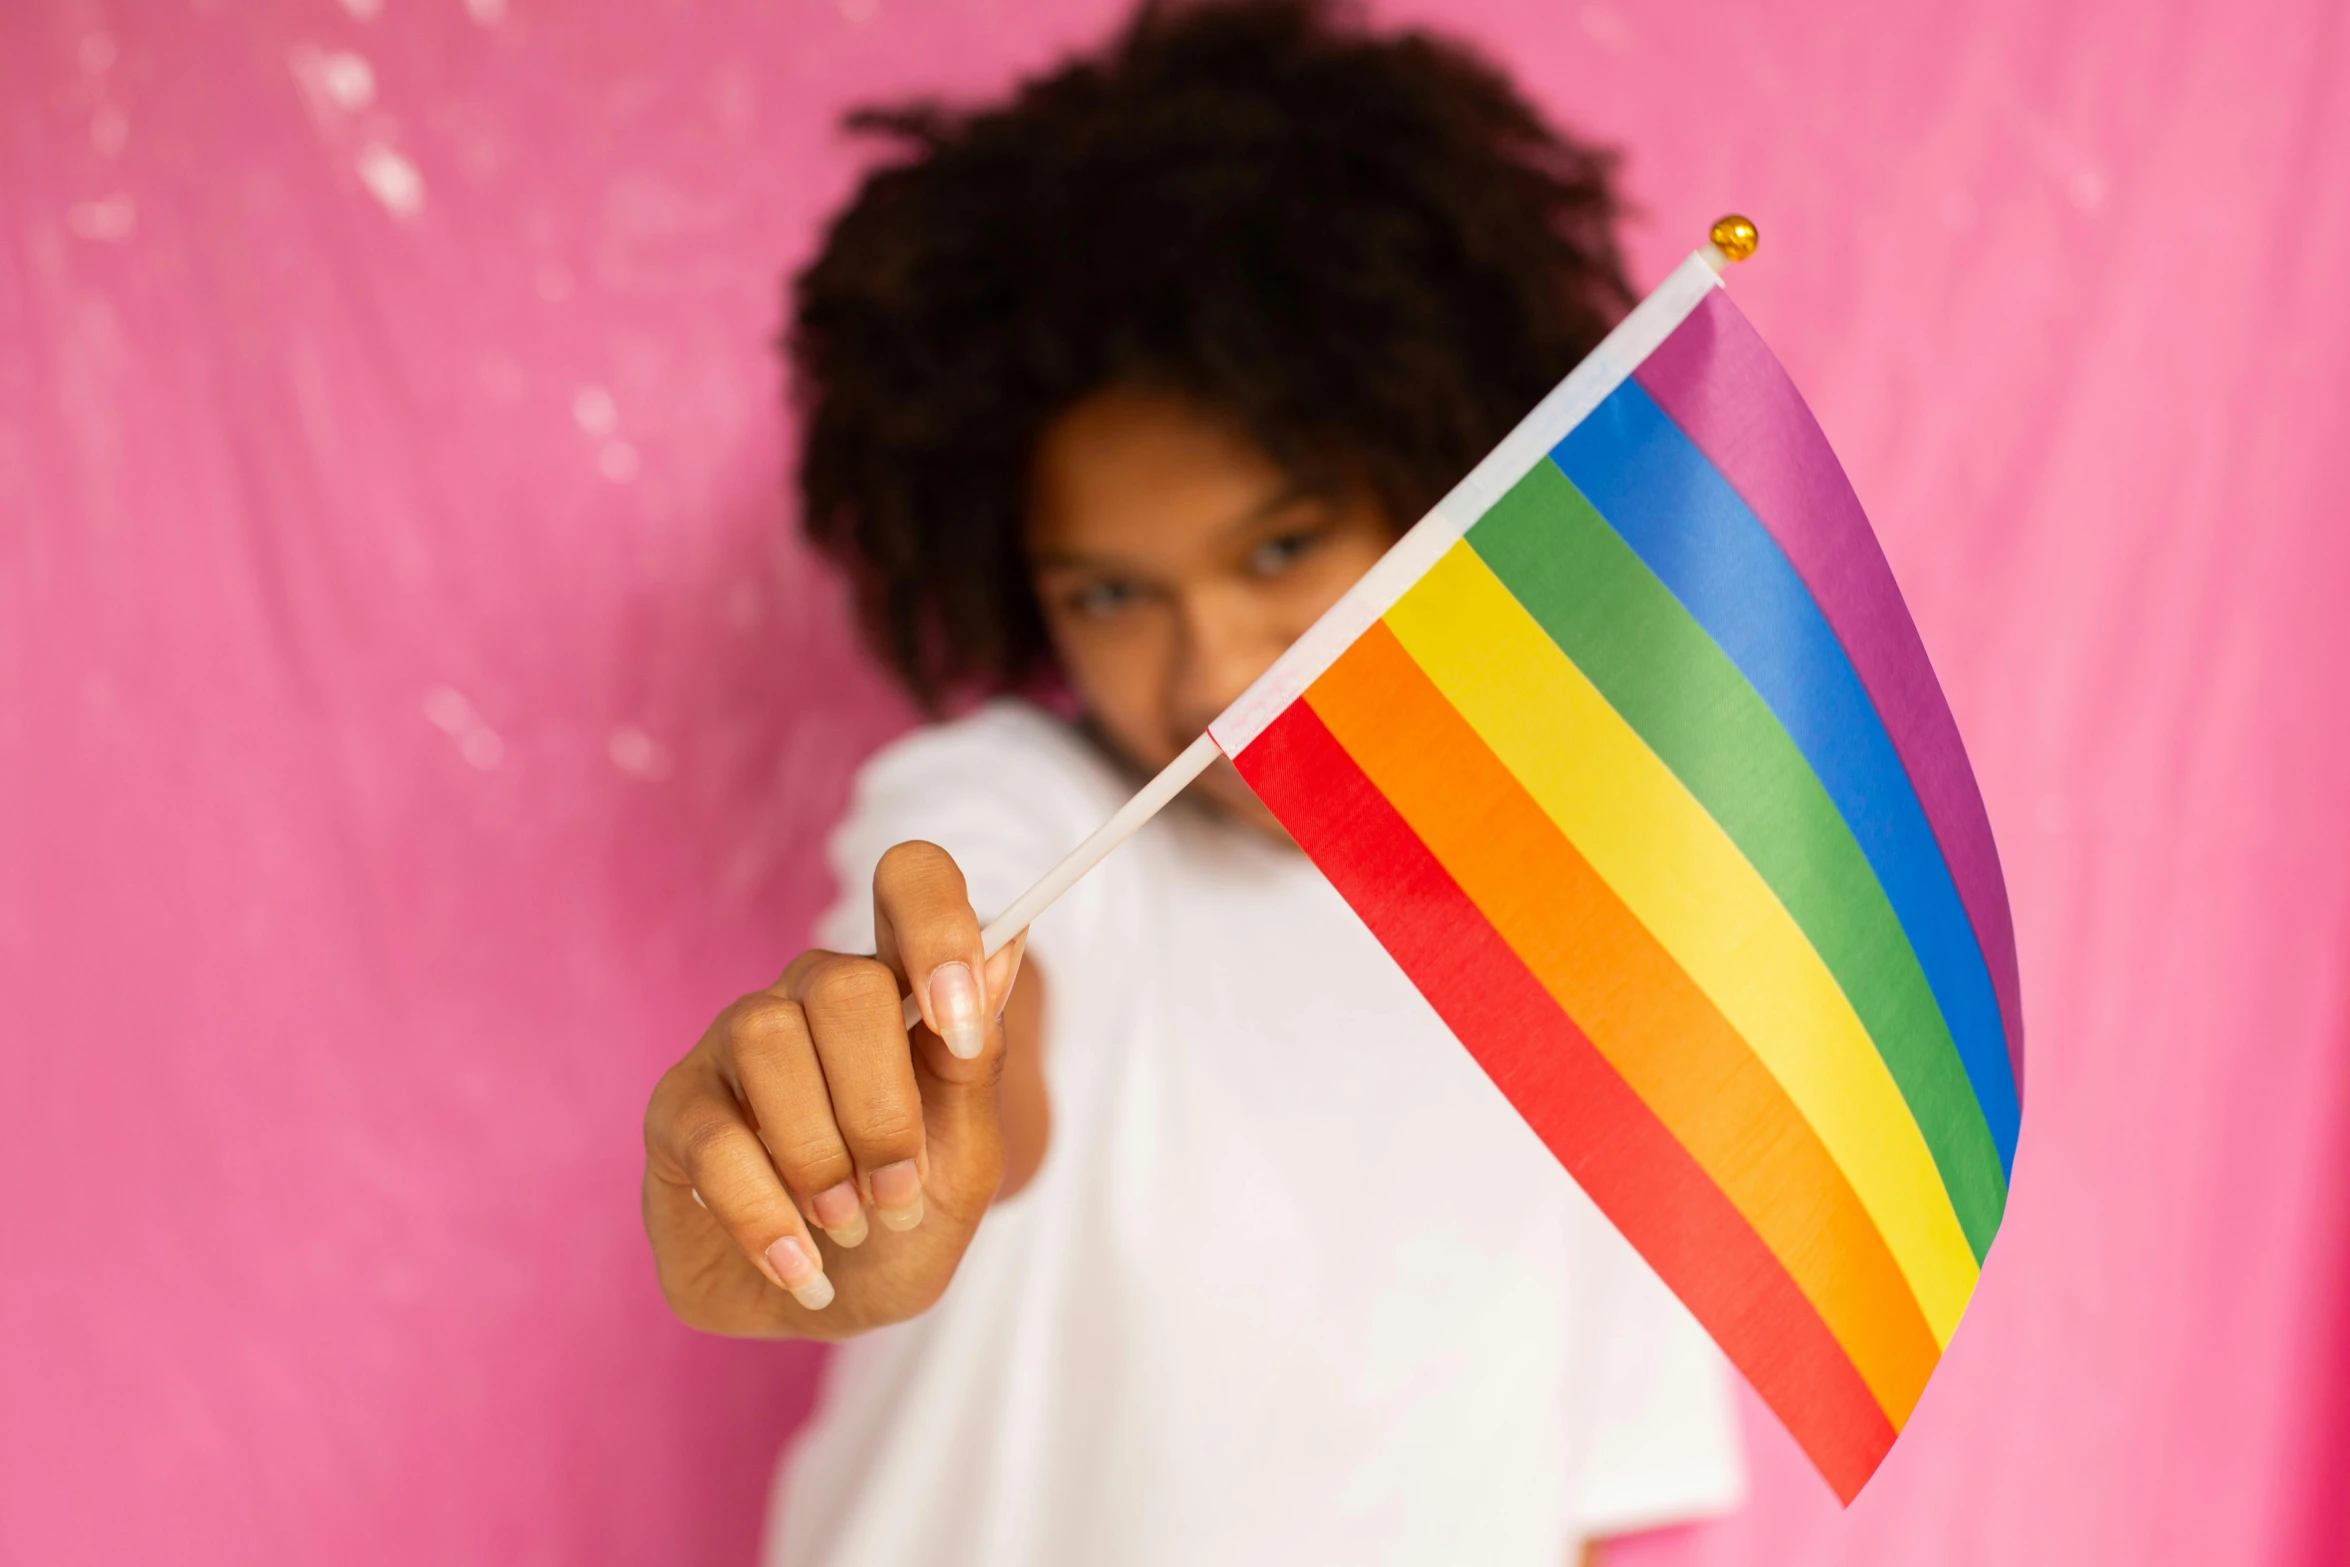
x,y
1684,879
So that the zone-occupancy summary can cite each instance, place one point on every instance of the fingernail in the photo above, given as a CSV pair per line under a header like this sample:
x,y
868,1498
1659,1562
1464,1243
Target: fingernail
x,y
836,1204
840,1214
897,1195
799,1273
955,1001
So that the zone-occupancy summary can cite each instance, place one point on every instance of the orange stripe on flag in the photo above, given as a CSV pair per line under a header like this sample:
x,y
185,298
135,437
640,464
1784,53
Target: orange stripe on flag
x,y
1645,1015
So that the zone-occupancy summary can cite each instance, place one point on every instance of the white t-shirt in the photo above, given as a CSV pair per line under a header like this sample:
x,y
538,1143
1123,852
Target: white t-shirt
x,y
1294,1285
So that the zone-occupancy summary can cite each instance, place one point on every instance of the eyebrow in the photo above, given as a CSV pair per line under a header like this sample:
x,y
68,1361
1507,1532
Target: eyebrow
x,y
1281,500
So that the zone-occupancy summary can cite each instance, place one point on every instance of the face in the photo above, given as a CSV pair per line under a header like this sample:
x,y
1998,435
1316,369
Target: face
x,y
1174,562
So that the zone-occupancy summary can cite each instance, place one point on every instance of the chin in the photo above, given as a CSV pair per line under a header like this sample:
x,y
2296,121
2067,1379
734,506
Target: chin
x,y
1222,790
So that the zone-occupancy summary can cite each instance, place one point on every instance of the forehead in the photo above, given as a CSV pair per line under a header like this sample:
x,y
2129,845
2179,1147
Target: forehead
x,y
1145,476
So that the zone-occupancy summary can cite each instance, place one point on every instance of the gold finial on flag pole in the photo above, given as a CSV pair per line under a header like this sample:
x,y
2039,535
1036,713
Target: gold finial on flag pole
x,y
1733,239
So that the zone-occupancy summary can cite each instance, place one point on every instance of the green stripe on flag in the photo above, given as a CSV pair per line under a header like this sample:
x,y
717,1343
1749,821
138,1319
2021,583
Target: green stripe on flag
x,y
1684,697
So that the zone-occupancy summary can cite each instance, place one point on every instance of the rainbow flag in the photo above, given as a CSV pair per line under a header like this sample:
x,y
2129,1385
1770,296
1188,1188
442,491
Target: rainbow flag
x,y
1631,757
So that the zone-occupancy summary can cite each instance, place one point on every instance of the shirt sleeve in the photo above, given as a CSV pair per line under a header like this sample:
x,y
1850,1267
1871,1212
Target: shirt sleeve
x,y
1662,1443
1006,792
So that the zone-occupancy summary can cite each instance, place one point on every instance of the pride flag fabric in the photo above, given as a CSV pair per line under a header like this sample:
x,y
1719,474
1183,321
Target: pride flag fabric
x,y
1630,755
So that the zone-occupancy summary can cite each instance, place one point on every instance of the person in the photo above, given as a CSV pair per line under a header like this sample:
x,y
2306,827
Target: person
x,y
1180,1231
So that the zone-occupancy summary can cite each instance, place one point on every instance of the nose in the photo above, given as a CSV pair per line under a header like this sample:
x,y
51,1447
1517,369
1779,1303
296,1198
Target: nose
x,y
1221,647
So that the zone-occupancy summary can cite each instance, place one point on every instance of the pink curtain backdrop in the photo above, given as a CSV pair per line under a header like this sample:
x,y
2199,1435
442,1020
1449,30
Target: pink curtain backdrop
x,y
416,718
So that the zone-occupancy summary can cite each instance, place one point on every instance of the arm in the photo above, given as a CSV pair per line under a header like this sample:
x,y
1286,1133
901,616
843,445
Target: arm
x,y
807,1106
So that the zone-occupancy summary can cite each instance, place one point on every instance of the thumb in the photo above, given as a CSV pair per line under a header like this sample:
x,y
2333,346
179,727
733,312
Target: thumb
x,y
963,1139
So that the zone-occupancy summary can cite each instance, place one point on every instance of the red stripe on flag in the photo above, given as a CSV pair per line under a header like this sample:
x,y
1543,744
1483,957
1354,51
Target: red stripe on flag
x,y
1610,1141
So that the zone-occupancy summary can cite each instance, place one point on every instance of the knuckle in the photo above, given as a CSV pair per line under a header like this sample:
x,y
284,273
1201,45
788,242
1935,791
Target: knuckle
x,y
661,1106
845,984
679,1100
703,1137
761,1023
888,1128
814,1160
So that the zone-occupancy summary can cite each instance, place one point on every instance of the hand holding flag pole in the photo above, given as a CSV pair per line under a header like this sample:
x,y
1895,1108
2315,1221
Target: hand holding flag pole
x,y
1630,756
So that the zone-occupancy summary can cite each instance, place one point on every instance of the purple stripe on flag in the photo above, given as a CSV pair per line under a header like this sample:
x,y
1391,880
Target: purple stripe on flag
x,y
1726,390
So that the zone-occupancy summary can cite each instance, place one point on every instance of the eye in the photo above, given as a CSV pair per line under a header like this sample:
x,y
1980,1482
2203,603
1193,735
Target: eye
x,y
1282,551
1101,600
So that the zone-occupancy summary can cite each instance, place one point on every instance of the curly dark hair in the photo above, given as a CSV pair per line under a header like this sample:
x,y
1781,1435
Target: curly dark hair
x,y
1369,250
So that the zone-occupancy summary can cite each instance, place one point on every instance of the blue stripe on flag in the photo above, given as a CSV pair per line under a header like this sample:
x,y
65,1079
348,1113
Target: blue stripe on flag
x,y
1680,516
